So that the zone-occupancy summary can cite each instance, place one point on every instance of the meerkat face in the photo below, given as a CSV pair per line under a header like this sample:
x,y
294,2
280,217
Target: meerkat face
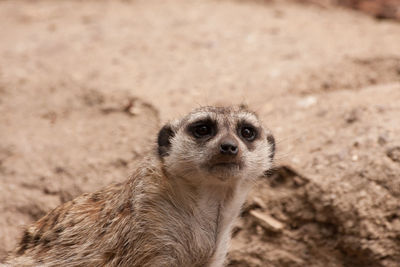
x,y
215,145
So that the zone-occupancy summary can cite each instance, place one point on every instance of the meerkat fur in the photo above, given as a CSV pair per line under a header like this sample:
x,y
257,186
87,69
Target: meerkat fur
x,y
177,209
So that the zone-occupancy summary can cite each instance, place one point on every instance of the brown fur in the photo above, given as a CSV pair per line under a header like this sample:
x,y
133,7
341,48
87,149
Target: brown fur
x,y
176,209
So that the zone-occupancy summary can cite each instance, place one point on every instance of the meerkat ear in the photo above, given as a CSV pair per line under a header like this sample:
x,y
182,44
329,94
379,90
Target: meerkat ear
x,y
164,140
271,141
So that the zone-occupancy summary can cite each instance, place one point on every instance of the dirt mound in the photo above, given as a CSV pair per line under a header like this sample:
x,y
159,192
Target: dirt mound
x,y
341,208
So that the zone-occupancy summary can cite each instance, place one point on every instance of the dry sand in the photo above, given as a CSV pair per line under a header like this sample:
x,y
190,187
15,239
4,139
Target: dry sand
x,y
84,86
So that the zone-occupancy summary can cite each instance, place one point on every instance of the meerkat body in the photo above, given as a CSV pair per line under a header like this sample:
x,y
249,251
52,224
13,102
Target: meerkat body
x,y
177,209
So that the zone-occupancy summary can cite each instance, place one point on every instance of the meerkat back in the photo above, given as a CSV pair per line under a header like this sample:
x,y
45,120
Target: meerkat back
x,y
177,209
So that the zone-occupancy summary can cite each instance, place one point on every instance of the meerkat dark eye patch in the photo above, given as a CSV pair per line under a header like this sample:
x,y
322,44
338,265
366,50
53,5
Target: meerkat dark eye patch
x,y
202,129
164,140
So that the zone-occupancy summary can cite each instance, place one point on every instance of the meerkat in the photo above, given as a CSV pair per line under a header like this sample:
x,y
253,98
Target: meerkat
x,y
177,209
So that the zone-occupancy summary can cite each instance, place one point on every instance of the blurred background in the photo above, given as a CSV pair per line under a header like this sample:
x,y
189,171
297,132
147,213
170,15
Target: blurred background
x,y
85,85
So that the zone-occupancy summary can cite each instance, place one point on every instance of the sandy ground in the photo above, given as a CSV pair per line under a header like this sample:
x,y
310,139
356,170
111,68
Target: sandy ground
x,y
84,86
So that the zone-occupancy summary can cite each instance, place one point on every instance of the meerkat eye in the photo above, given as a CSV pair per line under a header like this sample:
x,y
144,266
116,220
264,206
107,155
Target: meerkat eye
x,y
202,130
248,133
205,128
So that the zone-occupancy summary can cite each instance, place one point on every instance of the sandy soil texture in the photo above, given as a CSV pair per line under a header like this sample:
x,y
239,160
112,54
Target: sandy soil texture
x,y
85,85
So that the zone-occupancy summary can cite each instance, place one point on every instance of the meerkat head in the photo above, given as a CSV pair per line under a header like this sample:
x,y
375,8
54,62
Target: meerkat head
x,y
214,145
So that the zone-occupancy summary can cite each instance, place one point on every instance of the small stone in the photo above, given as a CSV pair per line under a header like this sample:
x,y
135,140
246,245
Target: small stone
x,y
356,144
307,102
131,107
394,153
352,117
382,140
258,201
266,221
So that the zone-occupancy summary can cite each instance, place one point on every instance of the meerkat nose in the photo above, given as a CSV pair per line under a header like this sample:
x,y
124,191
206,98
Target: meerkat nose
x,y
229,148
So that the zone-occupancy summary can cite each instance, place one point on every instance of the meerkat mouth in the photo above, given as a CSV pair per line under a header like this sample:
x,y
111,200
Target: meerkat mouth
x,y
223,171
223,163
226,165
223,166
